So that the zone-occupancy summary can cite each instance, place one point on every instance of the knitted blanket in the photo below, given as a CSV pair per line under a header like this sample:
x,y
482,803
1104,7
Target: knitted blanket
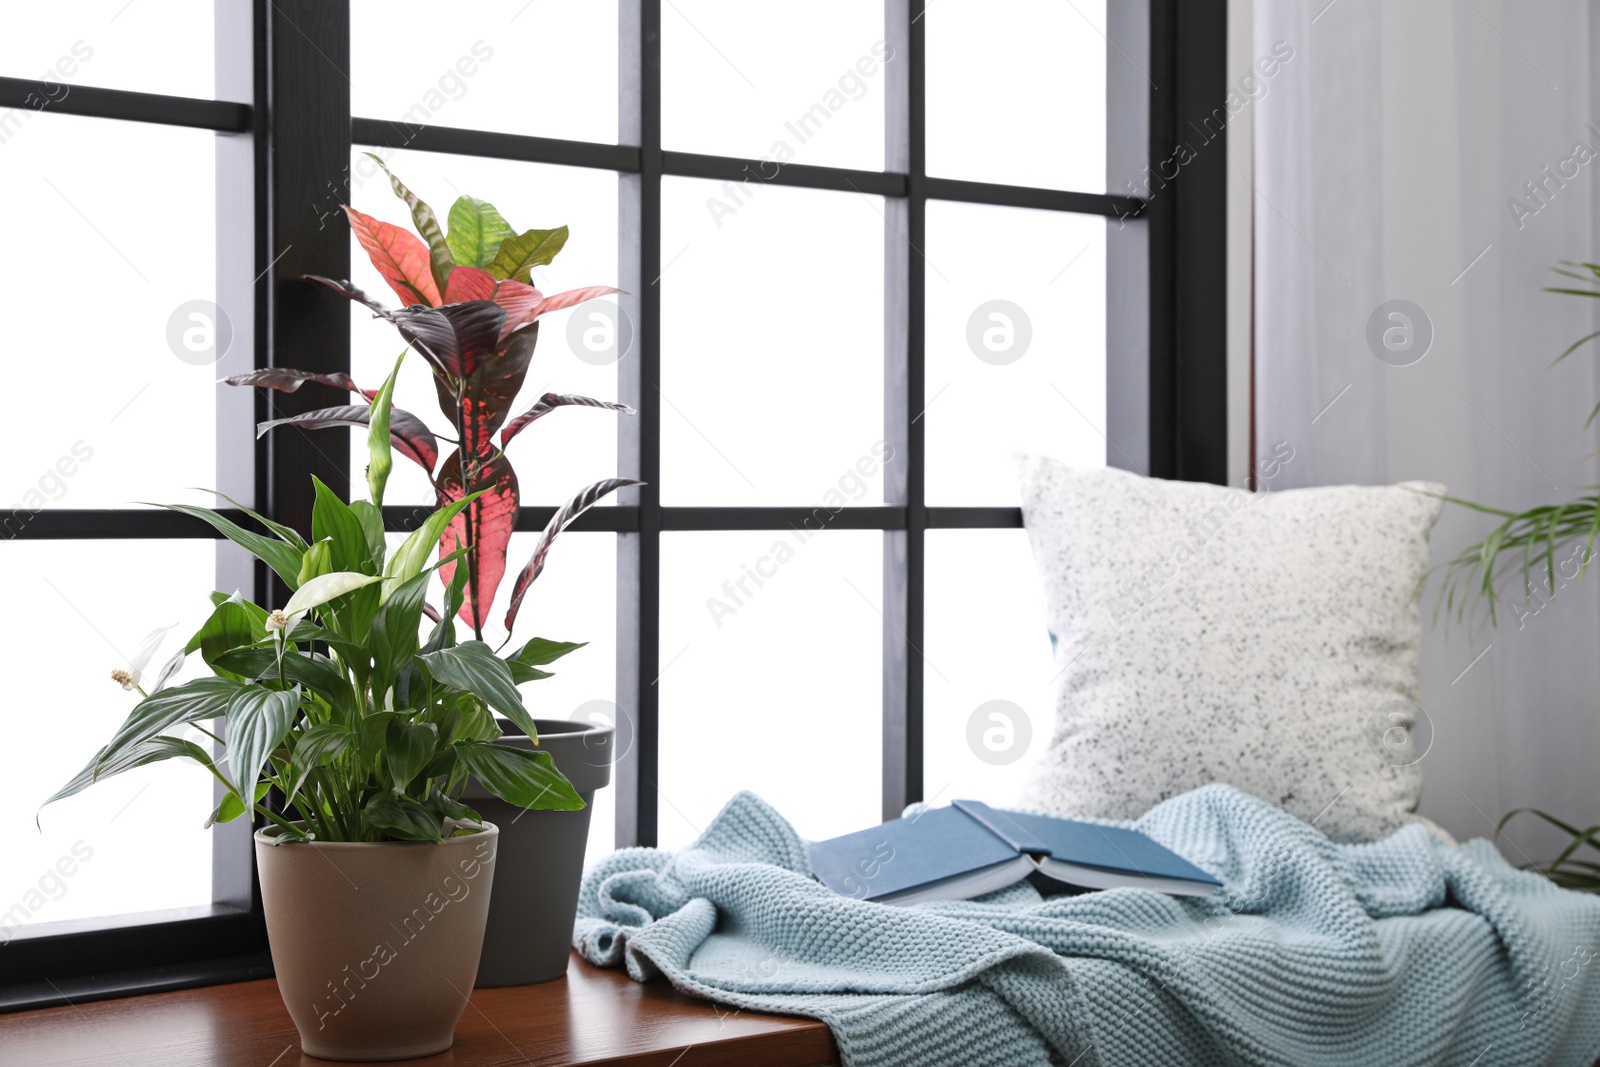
x,y
1401,952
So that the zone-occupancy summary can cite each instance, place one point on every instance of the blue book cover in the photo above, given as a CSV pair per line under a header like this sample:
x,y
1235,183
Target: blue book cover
x,y
969,849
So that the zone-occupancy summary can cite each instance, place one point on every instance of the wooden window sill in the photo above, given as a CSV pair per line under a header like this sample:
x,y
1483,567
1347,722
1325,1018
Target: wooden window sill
x,y
592,1016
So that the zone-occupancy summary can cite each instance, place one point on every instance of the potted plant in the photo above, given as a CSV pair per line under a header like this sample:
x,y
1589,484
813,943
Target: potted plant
x,y
366,733
469,308
1549,546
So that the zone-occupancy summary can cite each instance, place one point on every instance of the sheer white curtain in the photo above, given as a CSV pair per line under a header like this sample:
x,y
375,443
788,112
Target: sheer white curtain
x,y
1391,162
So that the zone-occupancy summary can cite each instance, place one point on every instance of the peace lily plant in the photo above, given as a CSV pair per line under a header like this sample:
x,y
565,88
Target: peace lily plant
x,y
350,721
367,730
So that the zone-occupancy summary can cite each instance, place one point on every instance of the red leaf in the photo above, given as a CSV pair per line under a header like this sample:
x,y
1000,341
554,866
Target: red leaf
x,y
548,403
490,519
400,257
469,283
406,431
558,522
571,297
520,301
288,380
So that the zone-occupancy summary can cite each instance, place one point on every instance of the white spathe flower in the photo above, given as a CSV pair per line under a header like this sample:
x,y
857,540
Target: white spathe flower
x,y
315,593
130,677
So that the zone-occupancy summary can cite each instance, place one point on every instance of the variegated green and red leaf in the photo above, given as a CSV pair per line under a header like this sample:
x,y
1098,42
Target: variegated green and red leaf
x,y
399,256
548,403
563,518
408,433
520,254
483,528
440,258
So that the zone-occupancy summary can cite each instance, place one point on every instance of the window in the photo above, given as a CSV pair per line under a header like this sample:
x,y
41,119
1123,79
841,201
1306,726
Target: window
x,y
864,260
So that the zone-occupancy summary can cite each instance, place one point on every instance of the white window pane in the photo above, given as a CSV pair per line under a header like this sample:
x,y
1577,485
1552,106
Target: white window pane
x,y
161,47
771,346
771,678
737,80
569,448
988,704
144,371
134,842
536,67
1017,92
1015,346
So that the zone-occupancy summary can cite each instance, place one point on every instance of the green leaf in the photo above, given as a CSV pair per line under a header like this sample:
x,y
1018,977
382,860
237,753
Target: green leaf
x,y
476,724
203,698
232,805
317,746
521,672
476,231
284,559
317,673
402,817
332,520
519,255
374,731
258,719
410,747
380,454
538,652
394,638
414,552
150,750
472,666
372,525
317,561
444,631
288,533
231,625
526,779
451,807
427,224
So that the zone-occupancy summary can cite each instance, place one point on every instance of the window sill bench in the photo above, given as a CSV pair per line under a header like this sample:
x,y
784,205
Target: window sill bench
x,y
592,1016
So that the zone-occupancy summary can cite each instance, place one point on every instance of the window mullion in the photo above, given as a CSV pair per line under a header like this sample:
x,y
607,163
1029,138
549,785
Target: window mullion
x,y
639,437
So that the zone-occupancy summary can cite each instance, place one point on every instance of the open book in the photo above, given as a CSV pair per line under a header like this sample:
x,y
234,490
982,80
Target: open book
x,y
969,849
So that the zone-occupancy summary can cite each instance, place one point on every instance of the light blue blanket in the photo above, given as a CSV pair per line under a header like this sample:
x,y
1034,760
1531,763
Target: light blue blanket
x,y
1401,952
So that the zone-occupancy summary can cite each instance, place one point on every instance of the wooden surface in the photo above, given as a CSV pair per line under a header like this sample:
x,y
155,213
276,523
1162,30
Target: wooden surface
x,y
592,1016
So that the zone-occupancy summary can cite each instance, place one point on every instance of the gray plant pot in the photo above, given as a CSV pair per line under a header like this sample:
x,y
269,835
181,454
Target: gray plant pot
x,y
540,859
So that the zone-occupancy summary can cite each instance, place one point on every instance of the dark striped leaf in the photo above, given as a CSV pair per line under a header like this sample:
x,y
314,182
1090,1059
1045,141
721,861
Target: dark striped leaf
x,y
548,403
406,431
558,522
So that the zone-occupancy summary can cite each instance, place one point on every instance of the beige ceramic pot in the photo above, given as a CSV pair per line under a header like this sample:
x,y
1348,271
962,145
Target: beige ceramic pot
x,y
376,945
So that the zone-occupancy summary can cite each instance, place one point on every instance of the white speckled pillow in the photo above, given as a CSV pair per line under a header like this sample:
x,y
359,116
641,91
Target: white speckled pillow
x,y
1206,634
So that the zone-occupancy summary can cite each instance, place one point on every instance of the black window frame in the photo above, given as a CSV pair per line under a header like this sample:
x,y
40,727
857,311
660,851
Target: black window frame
x,y
288,151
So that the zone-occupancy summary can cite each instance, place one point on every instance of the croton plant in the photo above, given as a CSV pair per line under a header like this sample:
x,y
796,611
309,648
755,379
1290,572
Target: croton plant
x,y
368,731
469,308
